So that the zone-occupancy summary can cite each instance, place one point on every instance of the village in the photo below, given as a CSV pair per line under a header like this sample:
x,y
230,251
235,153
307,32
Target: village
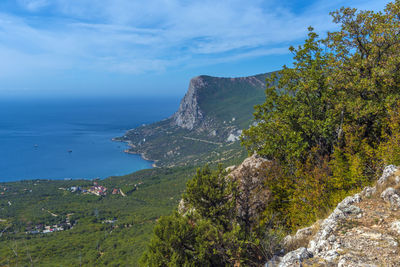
x,y
98,190
67,224
45,229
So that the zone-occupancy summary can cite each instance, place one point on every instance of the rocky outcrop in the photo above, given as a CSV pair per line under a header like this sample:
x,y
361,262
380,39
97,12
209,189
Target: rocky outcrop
x,y
192,115
253,163
363,230
189,113
293,258
388,173
234,136
390,195
209,118
249,179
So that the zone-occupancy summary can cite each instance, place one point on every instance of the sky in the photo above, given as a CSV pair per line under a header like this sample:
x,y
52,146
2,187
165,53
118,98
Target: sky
x,y
125,48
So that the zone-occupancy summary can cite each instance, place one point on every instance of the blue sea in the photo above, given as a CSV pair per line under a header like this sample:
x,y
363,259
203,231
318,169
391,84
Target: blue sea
x,y
58,139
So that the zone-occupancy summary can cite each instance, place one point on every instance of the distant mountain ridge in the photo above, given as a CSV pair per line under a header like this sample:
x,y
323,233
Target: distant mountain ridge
x,y
206,125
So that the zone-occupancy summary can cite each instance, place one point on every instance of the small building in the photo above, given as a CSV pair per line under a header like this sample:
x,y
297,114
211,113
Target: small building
x,y
115,191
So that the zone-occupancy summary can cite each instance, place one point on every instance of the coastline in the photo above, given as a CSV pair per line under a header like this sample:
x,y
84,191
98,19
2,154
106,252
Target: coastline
x,y
128,151
75,145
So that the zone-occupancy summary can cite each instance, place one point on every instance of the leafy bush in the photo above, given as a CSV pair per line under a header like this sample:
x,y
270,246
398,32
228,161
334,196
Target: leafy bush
x,y
331,123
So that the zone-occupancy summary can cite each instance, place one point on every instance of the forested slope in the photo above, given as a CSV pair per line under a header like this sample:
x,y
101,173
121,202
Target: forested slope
x,y
327,128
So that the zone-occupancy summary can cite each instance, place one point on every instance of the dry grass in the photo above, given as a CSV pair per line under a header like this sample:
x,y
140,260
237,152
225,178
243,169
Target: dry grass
x,y
298,241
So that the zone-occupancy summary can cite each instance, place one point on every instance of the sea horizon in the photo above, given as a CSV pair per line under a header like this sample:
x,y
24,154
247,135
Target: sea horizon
x,y
57,139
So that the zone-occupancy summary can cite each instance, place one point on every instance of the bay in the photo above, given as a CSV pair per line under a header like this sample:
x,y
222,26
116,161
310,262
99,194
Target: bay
x,y
71,138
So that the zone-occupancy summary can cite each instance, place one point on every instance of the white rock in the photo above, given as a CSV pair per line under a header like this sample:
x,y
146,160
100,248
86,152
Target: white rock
x,y
234,136
395,226
295,257
368,191
332,238
230,168
319,244
390,195
304,231
325,245
387,172
330,255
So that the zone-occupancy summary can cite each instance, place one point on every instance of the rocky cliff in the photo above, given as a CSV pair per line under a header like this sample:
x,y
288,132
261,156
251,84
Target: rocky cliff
x,y
201,105
206,126
189,113
363,230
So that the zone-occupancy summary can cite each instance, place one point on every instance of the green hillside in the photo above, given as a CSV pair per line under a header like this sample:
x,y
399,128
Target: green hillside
x,y
227,105
113,229
29,206
226,98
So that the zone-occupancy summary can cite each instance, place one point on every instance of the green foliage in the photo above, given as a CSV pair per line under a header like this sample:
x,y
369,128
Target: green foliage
x,y
226,98
330,123
186,241
298,112
90,242
389,150
195,238
209,230
210,193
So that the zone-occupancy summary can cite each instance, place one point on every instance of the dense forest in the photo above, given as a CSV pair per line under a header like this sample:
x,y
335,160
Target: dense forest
x,y
97,230
328,126
59,222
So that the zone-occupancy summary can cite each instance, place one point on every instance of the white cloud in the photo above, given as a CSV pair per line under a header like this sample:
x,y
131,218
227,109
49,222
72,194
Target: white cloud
x,y
144,36
33,5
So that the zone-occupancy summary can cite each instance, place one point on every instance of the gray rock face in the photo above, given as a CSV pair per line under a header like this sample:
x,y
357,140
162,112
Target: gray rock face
x,y
390,195
324,243
387,172
361,231
368,191
189,112
253,162
295,258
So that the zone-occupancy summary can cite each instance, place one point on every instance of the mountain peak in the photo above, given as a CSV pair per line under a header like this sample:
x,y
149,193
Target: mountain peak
x,y
189,112
210,118
201,103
